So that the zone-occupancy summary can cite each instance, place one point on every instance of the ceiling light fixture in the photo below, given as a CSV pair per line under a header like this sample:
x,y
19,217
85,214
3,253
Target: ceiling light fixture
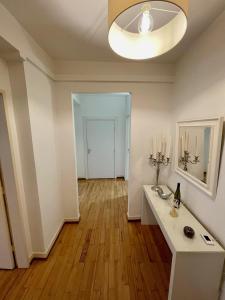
x,y
146,22
143,40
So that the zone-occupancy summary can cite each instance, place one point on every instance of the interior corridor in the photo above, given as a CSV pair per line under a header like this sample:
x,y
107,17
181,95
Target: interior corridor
x,y
102,257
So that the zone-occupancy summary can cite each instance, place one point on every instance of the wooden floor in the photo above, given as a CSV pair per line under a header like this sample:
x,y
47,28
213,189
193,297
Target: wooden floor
x,y
102,257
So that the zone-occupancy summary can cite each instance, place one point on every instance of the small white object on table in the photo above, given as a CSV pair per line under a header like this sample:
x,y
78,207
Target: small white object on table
x,y
197,268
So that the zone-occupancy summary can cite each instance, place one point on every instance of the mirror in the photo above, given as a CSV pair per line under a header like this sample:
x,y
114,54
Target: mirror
x,y
194,148
198,152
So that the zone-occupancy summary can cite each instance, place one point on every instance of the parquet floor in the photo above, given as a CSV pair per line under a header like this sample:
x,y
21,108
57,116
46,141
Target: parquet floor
x,y
102,257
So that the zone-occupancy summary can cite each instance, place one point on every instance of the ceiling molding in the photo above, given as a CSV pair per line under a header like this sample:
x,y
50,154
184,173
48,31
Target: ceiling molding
x,y
96,72
114,78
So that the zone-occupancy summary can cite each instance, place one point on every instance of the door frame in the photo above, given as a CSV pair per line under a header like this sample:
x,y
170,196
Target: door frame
x,y
6,222
127,147
85,120
16,204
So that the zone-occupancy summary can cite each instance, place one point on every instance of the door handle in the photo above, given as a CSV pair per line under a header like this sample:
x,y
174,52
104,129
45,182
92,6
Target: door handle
x,y
89,151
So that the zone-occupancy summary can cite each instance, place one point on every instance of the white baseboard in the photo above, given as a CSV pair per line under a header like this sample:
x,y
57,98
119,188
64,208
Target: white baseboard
x,y
31,257
133,218
72,220
39,255
45,254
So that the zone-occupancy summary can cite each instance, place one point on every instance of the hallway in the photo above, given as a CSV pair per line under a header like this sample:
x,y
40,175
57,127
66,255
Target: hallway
x,y
102,257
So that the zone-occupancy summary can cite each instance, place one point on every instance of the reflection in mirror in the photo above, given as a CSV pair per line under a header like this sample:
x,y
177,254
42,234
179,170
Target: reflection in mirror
x,y
194,151
197,152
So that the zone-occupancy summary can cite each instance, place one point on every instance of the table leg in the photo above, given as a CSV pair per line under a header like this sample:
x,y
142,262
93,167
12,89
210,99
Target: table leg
x,y
195,276
147,217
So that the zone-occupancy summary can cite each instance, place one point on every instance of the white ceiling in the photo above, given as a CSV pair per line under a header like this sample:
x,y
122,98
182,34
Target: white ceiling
x,y
77,29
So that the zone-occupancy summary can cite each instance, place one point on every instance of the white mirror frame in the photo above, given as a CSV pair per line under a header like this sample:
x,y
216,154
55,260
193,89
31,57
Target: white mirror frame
x,y
210,187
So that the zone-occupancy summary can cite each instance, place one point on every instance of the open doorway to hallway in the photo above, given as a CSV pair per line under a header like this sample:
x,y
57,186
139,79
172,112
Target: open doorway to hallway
x,y
102,136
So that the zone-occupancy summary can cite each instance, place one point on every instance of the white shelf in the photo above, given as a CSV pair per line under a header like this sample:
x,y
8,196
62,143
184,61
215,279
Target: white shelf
x,y
173,227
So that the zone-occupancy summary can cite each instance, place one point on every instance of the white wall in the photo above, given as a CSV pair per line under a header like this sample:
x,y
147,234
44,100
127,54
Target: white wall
x,y
40,101
150,114
40,90
101,106
23,128
200,93
31,96
39,177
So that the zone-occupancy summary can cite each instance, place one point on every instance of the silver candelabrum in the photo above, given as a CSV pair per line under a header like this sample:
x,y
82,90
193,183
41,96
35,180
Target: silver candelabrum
x,y
159,160
186,159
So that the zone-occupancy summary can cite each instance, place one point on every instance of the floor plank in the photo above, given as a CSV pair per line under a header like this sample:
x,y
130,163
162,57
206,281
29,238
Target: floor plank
x,y
102,257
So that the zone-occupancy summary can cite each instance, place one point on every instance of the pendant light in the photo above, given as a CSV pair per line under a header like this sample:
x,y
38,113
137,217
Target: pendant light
x,y
146,29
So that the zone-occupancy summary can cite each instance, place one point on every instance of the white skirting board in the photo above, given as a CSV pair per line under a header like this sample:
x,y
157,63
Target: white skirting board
x,y
72,220
45,254
133,218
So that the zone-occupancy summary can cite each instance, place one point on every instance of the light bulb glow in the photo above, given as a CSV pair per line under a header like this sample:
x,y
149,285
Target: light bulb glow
x,y
146,22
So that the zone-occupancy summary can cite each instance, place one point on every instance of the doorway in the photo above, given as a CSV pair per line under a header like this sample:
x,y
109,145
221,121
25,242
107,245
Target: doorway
x,y
102,139
102,135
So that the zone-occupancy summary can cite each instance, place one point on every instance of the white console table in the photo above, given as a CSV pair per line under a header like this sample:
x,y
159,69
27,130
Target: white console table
x,y
197,268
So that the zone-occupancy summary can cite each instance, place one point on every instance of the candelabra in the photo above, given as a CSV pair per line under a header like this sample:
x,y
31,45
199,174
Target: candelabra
x,y
186,159
157,161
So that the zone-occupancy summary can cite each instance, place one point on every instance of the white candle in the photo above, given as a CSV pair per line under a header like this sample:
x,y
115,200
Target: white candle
x,y
196,146
168,148
187,142
182,146
155,148
151,146
159,144
164,145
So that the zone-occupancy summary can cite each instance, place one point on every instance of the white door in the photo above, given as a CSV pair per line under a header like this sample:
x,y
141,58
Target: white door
x,y
100,148
6,255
